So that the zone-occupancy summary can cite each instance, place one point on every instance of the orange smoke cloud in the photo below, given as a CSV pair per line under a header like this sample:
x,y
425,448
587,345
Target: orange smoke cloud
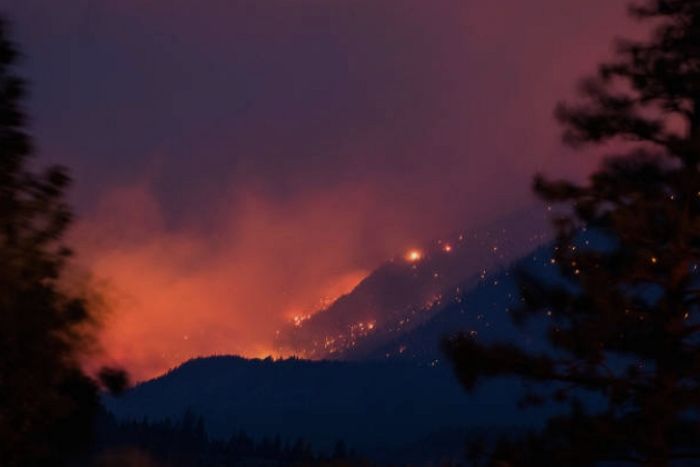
x,y
178,293
428,103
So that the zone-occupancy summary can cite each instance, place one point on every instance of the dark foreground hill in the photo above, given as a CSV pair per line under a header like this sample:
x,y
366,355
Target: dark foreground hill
x,y
393,400
382,409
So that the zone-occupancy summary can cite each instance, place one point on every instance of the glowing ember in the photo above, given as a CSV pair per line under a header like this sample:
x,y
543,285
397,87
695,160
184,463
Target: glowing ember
x,y
447,248
298,320
414,256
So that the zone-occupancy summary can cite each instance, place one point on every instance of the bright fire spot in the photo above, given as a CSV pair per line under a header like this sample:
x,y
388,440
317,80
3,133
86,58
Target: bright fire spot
x,y
447,248
298,320
414,255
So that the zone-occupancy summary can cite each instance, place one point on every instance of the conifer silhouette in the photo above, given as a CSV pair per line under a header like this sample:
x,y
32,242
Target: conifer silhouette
x,y
47,402
624,321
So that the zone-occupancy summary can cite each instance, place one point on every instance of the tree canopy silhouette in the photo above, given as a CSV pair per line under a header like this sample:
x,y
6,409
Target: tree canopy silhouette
x,y
623,320
47,402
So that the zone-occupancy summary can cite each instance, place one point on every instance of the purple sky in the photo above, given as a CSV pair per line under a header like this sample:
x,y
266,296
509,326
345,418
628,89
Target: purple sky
x,y
237,161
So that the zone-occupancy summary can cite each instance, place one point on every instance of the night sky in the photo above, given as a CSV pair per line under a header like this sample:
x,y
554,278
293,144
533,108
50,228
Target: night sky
x,y
236,161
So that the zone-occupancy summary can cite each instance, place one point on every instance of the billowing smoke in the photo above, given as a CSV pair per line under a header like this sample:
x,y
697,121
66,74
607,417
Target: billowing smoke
x,y
175,294
240,161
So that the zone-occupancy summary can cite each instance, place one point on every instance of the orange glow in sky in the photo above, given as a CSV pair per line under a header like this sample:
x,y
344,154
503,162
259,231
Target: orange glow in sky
x,y
172,295
213,222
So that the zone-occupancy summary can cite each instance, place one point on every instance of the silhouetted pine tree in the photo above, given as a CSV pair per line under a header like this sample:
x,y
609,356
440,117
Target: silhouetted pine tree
x,y
47,403
625,319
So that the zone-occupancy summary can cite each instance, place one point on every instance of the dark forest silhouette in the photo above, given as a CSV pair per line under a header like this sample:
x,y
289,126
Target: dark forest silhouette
x,y
624,320
47,402
185,443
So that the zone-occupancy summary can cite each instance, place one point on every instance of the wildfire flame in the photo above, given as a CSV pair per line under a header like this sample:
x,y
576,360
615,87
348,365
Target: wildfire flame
x,y
298,320
413,256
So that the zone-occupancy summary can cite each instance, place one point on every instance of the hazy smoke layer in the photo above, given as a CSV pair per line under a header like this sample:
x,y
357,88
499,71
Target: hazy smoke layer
x,y
239,161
